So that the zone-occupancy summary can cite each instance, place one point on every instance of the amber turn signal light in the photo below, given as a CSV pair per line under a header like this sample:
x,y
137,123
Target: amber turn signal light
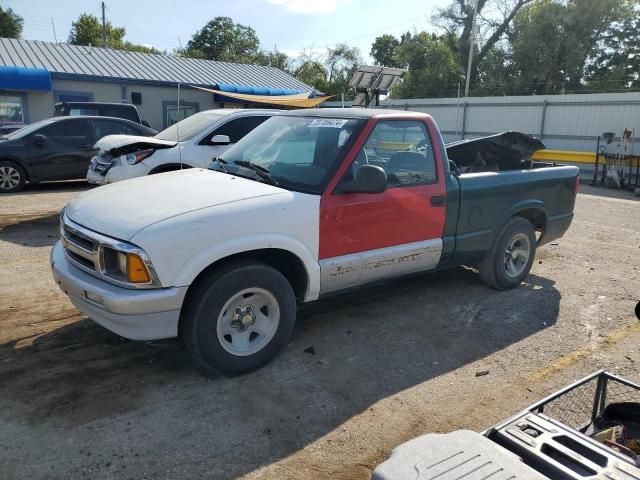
x,y
136,270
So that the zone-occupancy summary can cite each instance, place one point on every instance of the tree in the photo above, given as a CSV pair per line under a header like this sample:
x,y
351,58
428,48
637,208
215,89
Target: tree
x,y
222,39
274,58
458,19
383,50
616,62
553,41
10,23
433,67
87,30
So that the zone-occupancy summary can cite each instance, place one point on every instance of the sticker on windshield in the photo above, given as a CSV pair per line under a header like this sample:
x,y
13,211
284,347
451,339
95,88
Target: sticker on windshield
x,y
327,123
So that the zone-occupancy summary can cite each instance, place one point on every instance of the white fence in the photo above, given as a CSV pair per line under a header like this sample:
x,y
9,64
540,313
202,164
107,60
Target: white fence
x,y
562,122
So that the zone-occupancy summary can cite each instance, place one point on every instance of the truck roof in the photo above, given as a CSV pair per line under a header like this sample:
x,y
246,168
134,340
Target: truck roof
x,y
352,113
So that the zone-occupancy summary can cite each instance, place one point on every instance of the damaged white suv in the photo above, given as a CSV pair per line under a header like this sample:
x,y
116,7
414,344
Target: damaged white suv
x,y
192,142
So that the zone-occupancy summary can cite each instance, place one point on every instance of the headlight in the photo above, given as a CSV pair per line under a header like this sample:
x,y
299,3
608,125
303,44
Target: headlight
x,y
137,157
127,267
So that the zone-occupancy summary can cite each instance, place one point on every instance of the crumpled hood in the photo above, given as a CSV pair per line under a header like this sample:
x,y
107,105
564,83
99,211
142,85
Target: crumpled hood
x,y
122,144
122,209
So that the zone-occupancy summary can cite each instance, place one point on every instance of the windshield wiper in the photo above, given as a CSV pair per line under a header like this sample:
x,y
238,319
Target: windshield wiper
x,y
259,169
222,162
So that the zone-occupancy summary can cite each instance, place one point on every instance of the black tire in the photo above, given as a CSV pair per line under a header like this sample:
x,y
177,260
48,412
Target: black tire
x,y
204,305
12,177
494,270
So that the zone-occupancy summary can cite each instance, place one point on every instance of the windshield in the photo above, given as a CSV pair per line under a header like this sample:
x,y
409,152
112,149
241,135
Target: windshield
x,y
189,127
300,153
24,131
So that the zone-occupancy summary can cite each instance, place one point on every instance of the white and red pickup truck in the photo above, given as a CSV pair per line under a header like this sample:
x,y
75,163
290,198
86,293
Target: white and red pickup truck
x,y
310,203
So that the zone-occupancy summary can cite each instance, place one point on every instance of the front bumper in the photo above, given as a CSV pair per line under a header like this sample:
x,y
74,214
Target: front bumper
x,y
149,314
120,170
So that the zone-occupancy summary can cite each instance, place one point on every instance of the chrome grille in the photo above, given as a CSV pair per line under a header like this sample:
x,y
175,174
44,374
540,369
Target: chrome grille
x,y
88,250
80,249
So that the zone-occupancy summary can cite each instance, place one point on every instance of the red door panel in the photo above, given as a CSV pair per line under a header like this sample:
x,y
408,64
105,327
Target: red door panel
x,y
351,223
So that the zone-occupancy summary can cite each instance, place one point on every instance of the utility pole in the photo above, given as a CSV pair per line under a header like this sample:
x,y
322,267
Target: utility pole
x,y
53,25
104,27
472,41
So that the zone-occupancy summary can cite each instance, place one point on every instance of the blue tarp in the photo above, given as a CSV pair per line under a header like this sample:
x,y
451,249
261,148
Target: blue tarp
x,y
255,90
22,78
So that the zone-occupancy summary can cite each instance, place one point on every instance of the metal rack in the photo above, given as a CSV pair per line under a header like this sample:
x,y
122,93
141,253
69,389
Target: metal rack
x,y
579,404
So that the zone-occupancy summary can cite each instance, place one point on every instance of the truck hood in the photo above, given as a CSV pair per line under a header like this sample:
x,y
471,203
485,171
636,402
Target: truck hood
x,y
122,209
117,145
511,150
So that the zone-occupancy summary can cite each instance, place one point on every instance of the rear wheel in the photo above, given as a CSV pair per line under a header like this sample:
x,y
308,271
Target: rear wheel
x,y
511,257
12,177
238,317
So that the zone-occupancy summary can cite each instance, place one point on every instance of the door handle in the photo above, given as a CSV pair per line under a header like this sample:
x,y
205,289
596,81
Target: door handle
x,y
84,145
438,201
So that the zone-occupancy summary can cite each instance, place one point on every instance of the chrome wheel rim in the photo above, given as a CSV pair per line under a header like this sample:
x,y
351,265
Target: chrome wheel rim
x,y
9,177
248,321
516,255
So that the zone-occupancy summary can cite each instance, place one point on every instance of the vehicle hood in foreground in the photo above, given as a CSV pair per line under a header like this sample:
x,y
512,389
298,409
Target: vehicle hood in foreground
x,y
122,209
117,145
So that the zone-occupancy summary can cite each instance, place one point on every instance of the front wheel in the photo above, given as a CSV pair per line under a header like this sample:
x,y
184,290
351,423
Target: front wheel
x,y
12,177
511,257
238,317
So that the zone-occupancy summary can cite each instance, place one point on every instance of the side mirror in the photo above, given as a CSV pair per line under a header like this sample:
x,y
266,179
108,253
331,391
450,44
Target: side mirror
x,y
39,139
220,140
369,179
145,123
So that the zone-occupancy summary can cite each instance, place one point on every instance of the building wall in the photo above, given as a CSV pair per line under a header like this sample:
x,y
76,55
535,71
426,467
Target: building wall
x,y
39,105
562,122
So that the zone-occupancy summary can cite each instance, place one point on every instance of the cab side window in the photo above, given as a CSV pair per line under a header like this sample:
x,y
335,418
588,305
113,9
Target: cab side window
x,y
403,150
238,128
102,128
68,133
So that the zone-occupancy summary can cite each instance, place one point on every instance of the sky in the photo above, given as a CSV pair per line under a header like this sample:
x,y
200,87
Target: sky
x,y
290,25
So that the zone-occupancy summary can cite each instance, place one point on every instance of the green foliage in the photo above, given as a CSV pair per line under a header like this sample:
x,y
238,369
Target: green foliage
x,y
383,50
274,59
222,39
553,41
616,62
87,30
10,24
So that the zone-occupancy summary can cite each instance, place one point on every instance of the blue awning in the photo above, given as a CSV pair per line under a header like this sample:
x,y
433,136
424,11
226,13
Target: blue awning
x,y
255,90
22,78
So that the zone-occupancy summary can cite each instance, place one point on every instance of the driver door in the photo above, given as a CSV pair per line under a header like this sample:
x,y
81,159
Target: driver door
x,y
367,237
66,152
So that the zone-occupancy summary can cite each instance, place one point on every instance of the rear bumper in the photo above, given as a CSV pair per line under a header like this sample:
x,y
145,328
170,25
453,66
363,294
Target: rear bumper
x,y
135,314
556,227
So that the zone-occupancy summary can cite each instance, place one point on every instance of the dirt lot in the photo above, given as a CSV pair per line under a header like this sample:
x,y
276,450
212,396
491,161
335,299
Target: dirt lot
x,y
391,362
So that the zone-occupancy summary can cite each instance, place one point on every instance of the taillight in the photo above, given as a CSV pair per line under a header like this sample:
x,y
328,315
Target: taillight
x,y
137,157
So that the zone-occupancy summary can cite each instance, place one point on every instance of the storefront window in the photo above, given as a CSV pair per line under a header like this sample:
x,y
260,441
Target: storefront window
x,y
173,116
11,109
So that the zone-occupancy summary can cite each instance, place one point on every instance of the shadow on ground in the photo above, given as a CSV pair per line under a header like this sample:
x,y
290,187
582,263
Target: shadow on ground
x,y
146,403
30,230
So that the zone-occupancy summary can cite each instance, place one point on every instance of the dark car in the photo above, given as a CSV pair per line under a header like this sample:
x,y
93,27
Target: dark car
x,y
99,109
10,128
57,148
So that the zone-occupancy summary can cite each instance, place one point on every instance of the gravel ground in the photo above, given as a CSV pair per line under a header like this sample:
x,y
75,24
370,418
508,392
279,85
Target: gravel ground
x,y
390,362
